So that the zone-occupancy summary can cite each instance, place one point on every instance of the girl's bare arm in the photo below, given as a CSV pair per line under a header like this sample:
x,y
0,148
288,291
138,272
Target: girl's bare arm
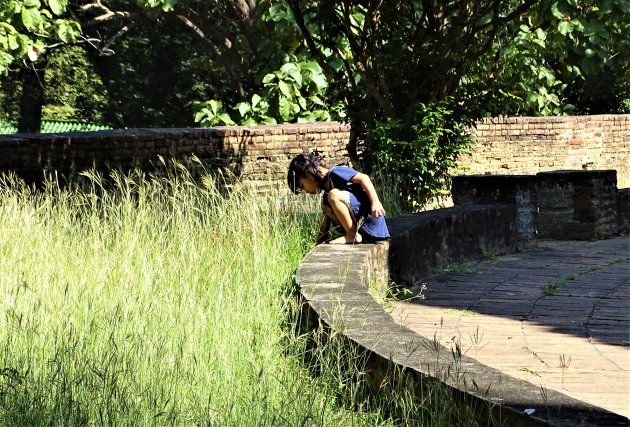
x,y
365,182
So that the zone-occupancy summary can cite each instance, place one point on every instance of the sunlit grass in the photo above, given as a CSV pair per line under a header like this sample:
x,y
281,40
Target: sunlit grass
x,y
166,300
146,299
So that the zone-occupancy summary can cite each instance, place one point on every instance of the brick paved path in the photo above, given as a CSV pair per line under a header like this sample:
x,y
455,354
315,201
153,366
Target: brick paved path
x,y
557,316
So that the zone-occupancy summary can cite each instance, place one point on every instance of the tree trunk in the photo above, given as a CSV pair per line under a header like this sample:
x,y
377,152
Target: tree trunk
x,y
32,99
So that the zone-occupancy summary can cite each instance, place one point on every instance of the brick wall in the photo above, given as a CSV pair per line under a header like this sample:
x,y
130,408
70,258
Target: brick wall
x,y
522,145
527,145
260,154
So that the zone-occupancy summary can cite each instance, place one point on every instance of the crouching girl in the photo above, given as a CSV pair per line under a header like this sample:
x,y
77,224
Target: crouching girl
x,y
350,201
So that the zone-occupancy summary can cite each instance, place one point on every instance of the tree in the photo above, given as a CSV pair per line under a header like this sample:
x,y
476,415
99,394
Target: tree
x,y
157,57
234,37
27,29
72,89
415,72
392,54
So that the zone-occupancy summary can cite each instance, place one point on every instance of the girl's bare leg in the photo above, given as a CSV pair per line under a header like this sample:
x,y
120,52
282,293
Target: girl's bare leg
x,y
330,214
337,200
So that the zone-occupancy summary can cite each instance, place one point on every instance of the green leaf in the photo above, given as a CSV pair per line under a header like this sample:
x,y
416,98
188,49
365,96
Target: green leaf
x,y
199,115
297,76
302,102
288,68
295,108
268,120
277,11
320,81
312,66
606,7
555,12
215,106
62,33
268,78
225,119
27,18
486,19
58,7
13,43
243,108
593,27
284,88
255,100
565,27
317,100
547,74
359,18
284,108
249,122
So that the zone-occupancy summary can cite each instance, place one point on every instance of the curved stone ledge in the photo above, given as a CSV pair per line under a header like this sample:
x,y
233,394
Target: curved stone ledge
x,y
336,282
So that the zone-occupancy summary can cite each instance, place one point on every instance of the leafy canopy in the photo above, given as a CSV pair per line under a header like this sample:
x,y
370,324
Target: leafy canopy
x,y
29,27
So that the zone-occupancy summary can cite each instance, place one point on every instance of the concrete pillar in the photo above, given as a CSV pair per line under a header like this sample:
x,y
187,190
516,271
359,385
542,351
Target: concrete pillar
x,y
519,190
623,210
579,205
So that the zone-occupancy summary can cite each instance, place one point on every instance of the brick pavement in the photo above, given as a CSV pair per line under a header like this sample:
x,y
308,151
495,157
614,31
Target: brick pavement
x,y
557,316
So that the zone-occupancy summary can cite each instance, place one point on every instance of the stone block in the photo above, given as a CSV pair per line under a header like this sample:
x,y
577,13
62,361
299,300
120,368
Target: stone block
x,y
577,204
623,210
518,190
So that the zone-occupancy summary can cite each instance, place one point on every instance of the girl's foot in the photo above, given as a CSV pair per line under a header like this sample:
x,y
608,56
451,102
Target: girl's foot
x,y
348,239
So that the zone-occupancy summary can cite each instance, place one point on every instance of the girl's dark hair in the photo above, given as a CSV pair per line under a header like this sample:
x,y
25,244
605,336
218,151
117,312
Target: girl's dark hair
x,y
300,166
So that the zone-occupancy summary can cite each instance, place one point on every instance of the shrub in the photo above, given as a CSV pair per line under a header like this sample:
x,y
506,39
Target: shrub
x,y
417,154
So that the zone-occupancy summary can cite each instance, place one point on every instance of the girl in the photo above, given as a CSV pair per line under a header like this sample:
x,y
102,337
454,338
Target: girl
x,y
349,201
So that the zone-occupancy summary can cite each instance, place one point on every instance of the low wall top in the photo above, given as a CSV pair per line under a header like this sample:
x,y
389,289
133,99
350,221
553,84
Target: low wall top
x,y
258,154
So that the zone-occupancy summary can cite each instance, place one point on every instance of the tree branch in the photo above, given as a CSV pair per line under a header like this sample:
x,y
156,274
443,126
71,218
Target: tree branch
x,y
502,20
221,45
104,14
308,37
199,32
105,50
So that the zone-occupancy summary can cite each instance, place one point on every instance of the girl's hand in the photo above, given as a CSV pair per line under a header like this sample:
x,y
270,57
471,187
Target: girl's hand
x,y
377,209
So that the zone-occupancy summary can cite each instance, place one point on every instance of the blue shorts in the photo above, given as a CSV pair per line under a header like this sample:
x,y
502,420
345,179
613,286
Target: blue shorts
x,y
370,228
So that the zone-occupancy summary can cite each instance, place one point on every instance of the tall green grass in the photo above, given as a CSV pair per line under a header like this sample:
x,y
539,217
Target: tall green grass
x,y
164,300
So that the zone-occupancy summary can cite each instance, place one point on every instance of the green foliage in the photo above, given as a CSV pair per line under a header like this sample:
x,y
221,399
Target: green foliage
x,y
28,27
306,60
157,72
418,153
210,113
495,58
294,93
73,91
549,60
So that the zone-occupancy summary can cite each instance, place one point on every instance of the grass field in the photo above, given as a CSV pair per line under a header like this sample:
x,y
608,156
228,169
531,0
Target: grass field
x,y
163,300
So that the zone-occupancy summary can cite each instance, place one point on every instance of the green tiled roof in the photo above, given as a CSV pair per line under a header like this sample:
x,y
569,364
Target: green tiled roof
x,y
56,126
